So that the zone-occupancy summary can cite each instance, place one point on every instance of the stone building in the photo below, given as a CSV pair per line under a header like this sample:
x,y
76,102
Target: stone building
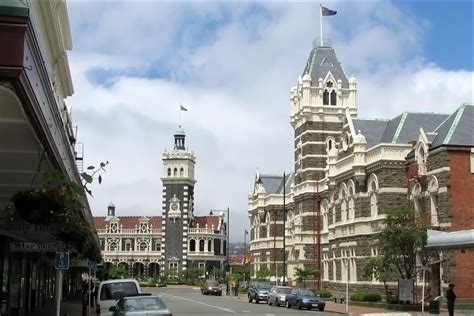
x,y
348,171
166,245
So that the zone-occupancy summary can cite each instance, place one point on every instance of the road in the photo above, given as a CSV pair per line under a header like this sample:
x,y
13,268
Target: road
x,y
189,301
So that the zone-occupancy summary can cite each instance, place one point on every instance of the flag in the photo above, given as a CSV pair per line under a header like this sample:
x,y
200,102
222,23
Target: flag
x,y
182,108
327,12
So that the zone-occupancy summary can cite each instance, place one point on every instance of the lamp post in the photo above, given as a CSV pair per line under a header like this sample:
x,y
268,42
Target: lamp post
x,y
284,229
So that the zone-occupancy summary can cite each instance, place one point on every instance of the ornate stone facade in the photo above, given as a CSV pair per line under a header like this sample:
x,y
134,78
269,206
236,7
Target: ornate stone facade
x,y
166,245
348,173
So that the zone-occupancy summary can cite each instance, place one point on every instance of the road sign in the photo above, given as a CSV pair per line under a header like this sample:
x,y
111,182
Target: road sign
x,y
62,260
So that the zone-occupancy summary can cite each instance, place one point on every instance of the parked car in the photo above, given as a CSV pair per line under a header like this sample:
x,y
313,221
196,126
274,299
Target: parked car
x,y
211,287
277,295
143,304
111,291
304,298
258,292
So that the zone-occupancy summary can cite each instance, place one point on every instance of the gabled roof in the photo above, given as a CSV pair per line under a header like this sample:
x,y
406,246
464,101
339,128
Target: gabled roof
x,y
128,222
203,220
457,129
274,184
372,129
322,60
406,127
271,183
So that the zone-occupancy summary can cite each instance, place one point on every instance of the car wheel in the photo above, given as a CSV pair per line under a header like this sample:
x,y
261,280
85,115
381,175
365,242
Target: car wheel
x,y
277,302
321,309
257,300
288,305
250,298
298,305
309,308
269,303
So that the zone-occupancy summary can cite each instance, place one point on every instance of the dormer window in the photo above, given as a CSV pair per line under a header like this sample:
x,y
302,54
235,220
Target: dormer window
x,y
181,172
169,172
175,172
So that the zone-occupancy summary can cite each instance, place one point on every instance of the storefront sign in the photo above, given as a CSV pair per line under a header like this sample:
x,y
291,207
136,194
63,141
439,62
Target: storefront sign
x,y
31,246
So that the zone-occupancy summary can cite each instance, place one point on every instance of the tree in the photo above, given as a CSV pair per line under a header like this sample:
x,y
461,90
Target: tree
x,y
402,237
302,274
264,273
115,272
380,269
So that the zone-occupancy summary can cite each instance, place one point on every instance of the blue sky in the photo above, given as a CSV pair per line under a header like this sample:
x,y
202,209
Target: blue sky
x,y
232,64
448,39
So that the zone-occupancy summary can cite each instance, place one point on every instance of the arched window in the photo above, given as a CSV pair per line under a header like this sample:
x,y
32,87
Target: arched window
x,y
192,245
209,245
143,246
181,172
169,172
175,172
113,246
201,245
325,97
333,97
373,188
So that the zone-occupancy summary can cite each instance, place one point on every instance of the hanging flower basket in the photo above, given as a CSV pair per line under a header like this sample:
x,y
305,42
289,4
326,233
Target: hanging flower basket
x,y
35,207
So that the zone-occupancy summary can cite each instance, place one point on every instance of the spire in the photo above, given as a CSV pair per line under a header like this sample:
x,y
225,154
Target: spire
x,y
179,137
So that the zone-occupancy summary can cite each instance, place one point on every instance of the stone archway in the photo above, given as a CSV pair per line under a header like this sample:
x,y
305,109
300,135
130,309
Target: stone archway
x,y
138,269
154,270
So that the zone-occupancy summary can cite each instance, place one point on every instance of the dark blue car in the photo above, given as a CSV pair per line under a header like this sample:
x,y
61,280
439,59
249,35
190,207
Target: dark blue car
x,y
304,298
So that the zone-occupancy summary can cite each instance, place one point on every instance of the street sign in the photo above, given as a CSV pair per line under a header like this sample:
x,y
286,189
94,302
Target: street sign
x,y
62,260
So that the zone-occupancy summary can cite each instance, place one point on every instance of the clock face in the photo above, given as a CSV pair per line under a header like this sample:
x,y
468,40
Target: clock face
x,y
174,206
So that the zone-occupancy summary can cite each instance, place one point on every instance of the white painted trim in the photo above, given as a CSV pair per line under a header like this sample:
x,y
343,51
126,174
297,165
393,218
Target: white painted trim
x,y
392,190
439,170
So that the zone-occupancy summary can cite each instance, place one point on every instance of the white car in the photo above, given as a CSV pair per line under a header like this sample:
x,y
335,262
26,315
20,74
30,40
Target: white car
x,y
111,291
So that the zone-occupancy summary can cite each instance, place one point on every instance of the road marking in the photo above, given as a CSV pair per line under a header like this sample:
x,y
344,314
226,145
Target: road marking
x,y
209,305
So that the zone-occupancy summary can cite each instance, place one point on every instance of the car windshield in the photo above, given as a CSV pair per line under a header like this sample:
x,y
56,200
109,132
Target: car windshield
x,y
115,291
212,284
264,287
148,303
284,291
307,293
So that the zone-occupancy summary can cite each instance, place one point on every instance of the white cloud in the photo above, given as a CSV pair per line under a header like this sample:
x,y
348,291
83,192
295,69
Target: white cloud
x,y
232,65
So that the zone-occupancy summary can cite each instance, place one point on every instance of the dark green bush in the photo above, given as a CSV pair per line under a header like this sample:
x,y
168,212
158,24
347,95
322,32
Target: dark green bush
x,y
362,296
324,293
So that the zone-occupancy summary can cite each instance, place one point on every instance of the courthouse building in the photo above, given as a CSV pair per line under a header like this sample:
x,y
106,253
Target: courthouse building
x,y
348,171
173,241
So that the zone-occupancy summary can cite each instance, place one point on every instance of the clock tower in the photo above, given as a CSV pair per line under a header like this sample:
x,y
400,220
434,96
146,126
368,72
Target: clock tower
x,y
178,204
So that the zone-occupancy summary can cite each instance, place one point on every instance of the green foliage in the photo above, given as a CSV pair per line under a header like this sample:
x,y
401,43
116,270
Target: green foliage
x,y
362,296
264,273
115,272
302,274
324,293
192,275
403,235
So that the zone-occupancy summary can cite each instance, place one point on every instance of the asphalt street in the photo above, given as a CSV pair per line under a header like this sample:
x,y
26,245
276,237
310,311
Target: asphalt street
x,y
190,301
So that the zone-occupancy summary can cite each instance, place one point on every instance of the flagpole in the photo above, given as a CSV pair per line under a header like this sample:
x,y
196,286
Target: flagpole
x,y
321,22
180,114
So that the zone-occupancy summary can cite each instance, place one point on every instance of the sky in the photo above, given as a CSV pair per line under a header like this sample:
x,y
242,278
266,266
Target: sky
x,y
232,65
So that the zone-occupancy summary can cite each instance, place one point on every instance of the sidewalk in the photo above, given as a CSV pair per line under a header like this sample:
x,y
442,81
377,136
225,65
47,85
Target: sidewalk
x,y
71,306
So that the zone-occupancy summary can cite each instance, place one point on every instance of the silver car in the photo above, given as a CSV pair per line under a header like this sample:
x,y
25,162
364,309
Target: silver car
x,y
278,294
140,305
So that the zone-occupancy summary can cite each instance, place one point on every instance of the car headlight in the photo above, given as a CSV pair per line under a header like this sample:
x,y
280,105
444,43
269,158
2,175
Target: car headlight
x,y
305,300
209,288
282,297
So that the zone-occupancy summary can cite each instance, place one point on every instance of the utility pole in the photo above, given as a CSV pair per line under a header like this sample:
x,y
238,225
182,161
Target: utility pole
x,y
284,228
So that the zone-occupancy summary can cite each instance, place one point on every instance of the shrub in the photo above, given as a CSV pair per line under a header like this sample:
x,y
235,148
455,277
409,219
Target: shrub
x,y
362,296
324,293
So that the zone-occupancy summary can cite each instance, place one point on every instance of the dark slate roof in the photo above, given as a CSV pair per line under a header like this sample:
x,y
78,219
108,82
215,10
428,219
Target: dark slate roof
x,y
274,184
372,129
457,129
271,183
320,61
406,127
